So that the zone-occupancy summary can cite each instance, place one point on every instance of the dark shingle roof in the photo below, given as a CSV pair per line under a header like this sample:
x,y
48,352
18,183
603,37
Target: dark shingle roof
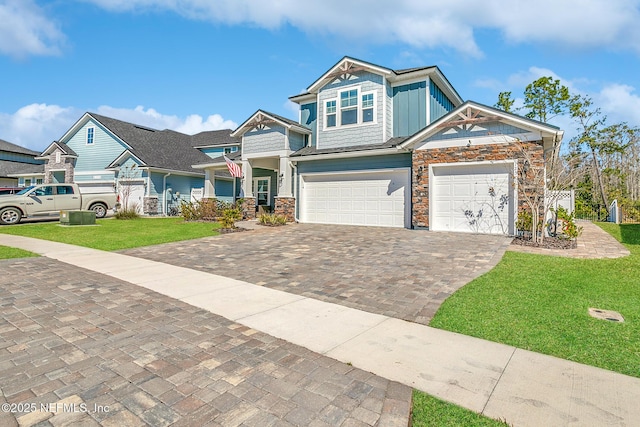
x,y
214,137
13,148
7,167
165,149
66,149
310,151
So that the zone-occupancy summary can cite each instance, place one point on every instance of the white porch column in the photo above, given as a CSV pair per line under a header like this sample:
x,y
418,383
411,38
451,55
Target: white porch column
x,y
247,182
209,184
284,185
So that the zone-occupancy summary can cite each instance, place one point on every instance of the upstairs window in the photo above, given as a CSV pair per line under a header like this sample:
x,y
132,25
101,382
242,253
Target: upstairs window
x,y
367,107
349,107
90,136
331,114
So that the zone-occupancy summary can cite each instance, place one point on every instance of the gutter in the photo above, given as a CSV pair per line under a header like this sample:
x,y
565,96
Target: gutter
x,y
349,154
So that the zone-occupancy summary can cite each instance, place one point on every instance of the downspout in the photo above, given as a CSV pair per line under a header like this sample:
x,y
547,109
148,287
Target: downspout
x,y
164,194
295,190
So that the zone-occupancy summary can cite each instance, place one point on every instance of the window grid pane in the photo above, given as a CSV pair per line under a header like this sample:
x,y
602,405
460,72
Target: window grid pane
x,y
349,98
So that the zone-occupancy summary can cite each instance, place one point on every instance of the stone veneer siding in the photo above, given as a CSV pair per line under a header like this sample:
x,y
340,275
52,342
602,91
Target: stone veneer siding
x,y
286,206
521,151
150,206
249,208
51,166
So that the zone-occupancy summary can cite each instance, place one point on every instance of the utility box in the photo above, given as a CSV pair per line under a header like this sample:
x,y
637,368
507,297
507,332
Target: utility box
x,y
77,217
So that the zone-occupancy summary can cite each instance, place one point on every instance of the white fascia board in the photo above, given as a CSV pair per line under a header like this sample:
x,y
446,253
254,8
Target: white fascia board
x,y
373,68
96,172
278,153
306,98
218,165
125,154
17,175
174,172
348,154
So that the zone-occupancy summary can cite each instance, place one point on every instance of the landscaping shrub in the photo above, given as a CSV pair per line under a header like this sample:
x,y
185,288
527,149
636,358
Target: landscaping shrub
x,y
229,217
272,219
203,210
567,223
130,212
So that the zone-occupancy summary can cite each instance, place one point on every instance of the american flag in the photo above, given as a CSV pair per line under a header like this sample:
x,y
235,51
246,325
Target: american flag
x,y
234,169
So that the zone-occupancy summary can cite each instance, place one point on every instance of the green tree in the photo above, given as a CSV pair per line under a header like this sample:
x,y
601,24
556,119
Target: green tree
x,y
546,98
505,102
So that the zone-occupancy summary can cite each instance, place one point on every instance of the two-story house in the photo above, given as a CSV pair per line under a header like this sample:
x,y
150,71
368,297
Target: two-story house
x,y
383,147
150,168
19,166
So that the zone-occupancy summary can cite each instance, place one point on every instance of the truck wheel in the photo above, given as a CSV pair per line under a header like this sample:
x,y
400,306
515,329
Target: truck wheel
x,y
100,210
10,216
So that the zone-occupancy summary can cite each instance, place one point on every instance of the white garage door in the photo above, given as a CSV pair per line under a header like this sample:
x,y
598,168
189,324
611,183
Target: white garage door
x,y
475,198
363,198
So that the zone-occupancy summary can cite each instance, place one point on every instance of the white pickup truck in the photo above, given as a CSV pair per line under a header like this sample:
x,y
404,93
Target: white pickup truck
x,y
50,199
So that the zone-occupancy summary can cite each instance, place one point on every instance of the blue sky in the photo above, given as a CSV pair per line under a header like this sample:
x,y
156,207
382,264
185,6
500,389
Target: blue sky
x,y
195,65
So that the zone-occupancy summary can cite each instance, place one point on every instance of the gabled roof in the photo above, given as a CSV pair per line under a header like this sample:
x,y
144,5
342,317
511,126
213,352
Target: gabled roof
x,y
348,65
162,149
64,148
262,117
13,148
472,112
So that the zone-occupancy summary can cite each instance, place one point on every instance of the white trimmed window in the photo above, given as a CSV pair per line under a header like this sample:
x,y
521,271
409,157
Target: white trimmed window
x,y
90,132
349,107
367,107
330,114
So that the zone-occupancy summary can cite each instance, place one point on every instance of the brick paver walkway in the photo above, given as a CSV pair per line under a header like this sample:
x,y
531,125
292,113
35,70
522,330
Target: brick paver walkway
x,y
83,349
592,244
400,273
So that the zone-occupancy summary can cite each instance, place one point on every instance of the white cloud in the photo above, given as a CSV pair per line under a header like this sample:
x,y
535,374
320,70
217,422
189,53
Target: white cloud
x,y
425,23
192,124
26,30
35,126
619,103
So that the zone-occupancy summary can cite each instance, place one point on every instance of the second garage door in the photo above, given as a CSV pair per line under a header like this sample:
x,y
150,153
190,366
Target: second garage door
x,y
362,198
476,198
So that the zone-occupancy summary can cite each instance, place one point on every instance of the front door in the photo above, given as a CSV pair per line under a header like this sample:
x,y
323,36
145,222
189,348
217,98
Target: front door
x,y
261,191
41,201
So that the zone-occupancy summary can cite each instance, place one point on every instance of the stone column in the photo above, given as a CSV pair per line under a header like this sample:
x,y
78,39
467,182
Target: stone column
x,y
286,206
249,208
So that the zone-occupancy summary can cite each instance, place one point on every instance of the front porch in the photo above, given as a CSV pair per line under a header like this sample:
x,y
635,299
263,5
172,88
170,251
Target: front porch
x,y
266,186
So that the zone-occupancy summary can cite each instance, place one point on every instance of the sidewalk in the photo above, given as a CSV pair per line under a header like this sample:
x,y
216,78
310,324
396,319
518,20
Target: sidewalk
x,y
521,387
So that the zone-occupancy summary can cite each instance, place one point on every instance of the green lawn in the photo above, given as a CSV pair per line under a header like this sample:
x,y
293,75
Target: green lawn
x,y
429,411
540,303
7,253
113,234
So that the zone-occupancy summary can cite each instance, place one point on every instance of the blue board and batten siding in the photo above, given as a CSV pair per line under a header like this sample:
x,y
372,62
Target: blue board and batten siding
x,y
409,108
174,184
96,156
439,104
264,140
357,134
309,118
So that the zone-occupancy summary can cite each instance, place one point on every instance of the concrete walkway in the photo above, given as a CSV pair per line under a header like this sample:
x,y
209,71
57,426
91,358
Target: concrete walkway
x,y
521,387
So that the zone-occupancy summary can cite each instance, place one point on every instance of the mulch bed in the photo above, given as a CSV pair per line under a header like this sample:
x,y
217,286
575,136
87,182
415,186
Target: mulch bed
x,y
547,243
231,230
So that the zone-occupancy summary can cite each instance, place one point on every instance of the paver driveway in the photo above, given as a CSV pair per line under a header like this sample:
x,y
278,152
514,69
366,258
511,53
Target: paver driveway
x,y
399,273
70,337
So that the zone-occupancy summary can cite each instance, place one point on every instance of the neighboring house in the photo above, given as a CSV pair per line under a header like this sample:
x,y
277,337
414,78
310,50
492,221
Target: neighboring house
x,y
19,166
398,148
151,169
